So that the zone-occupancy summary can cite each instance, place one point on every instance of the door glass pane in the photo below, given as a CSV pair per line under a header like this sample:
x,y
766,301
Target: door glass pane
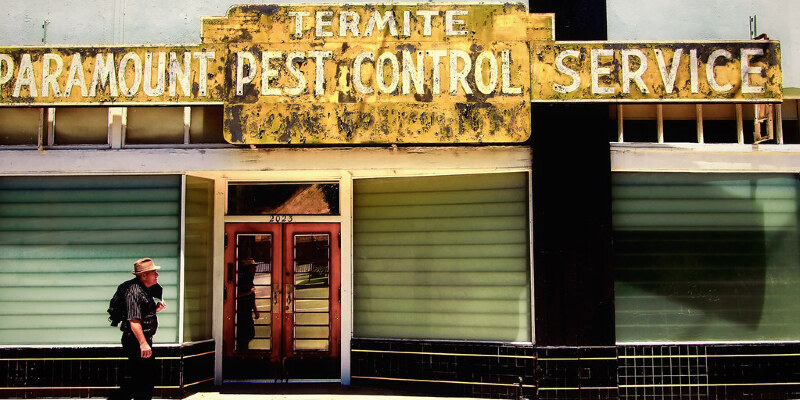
x,y
253,292
284,199
311,291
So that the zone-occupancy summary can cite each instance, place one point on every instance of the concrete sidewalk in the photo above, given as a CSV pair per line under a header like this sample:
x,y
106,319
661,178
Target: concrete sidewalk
x,y
248,396
316,391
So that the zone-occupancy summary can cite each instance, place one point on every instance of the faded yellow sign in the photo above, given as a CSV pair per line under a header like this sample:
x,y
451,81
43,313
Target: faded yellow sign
x,y
747,71
125,75
377,73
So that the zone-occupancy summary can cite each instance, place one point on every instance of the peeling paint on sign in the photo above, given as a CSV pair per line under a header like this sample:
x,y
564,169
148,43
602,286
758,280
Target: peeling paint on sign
x,y
683,71
377,73
93,75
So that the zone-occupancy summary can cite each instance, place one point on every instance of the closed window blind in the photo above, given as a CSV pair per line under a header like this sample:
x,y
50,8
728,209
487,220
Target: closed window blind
x,y
706,257
442,257
67,242
199,266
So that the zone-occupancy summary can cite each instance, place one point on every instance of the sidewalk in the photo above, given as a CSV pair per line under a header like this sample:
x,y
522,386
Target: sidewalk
x,y
306,392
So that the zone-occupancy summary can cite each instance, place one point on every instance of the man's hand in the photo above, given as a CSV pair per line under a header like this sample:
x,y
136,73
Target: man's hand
x,y
144,347
146,350
160,306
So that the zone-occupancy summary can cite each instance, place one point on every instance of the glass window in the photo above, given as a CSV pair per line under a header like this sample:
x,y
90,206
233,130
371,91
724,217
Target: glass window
x,y
19,126
289,198
81,125
442,257
206,125
154,125
68,241
706,257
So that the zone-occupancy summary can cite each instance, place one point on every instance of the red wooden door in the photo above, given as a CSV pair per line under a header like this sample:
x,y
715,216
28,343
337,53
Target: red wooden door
x,y
282,301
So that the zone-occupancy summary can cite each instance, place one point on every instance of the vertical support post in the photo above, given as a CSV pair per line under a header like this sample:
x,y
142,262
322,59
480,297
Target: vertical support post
x,y
620,133
778,124
41,139
116,126
660,122
187,121
739,124
700,136
51,126
346,271
218,275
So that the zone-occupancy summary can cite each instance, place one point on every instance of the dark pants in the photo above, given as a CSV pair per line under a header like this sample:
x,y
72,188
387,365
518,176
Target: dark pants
x,y
139,375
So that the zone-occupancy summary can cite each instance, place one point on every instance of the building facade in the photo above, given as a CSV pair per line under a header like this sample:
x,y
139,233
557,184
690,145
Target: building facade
x,y
541,210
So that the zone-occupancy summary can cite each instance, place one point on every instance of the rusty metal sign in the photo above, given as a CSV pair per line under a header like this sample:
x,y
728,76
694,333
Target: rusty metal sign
x,y
377,73
373,73
124,75
747,71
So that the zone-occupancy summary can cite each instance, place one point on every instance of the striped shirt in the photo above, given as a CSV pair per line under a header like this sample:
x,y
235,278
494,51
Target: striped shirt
x,y
139,304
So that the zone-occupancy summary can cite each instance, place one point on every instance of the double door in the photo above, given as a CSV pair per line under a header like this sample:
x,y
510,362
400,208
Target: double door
x,y
282,301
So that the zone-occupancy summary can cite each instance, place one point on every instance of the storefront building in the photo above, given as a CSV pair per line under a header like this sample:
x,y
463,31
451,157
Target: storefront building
x,y
394,185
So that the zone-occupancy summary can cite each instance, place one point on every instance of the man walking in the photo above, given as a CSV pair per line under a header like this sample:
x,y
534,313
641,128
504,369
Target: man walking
x,y
138,327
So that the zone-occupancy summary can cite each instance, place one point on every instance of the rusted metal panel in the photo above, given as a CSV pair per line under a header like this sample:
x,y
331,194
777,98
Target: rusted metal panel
x,y
746,71
104,75
377,73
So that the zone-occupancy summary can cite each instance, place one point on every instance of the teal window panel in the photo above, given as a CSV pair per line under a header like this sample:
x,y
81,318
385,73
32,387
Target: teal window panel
x,y
443,257
706,257
66,243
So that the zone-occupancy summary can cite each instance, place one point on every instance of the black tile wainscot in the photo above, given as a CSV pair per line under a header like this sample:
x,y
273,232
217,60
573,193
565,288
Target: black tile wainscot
x,y
576,372
486,370
714,372
37,372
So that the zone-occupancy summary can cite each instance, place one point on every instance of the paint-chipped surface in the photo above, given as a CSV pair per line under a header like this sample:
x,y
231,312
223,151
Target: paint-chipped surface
x,y
747,71
377,73
111,75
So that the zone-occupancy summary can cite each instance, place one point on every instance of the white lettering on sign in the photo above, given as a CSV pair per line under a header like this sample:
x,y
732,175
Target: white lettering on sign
x,y
392,73
8,71
712,78
576,78
350,23
668,78
634,64
747,70
76,77
597,71
49,77
135,73
148,74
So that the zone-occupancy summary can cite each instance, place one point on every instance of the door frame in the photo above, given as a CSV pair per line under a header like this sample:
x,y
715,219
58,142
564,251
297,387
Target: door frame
x,y
344,219
282,260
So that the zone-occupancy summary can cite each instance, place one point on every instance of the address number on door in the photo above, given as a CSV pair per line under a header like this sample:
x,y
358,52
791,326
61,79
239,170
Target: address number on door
x,y
280,219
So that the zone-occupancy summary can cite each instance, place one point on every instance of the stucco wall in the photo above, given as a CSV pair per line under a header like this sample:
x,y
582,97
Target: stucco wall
x,y
104,22
710,20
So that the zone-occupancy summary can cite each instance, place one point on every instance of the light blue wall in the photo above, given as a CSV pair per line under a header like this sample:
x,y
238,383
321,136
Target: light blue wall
x,y
104,22
674,20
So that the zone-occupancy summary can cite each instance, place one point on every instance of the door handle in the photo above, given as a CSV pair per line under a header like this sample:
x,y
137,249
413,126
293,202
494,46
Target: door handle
x,y
276,294
289,292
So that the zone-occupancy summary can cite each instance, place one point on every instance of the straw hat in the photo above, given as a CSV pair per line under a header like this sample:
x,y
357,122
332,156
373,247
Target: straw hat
x,y
144,265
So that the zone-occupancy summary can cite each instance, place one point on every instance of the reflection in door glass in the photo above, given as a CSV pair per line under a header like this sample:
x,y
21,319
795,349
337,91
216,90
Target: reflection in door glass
x,y
311,291
253,292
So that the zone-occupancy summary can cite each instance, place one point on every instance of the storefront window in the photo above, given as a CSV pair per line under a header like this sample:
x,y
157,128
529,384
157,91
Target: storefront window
x,y
706,257
66,243
442,257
